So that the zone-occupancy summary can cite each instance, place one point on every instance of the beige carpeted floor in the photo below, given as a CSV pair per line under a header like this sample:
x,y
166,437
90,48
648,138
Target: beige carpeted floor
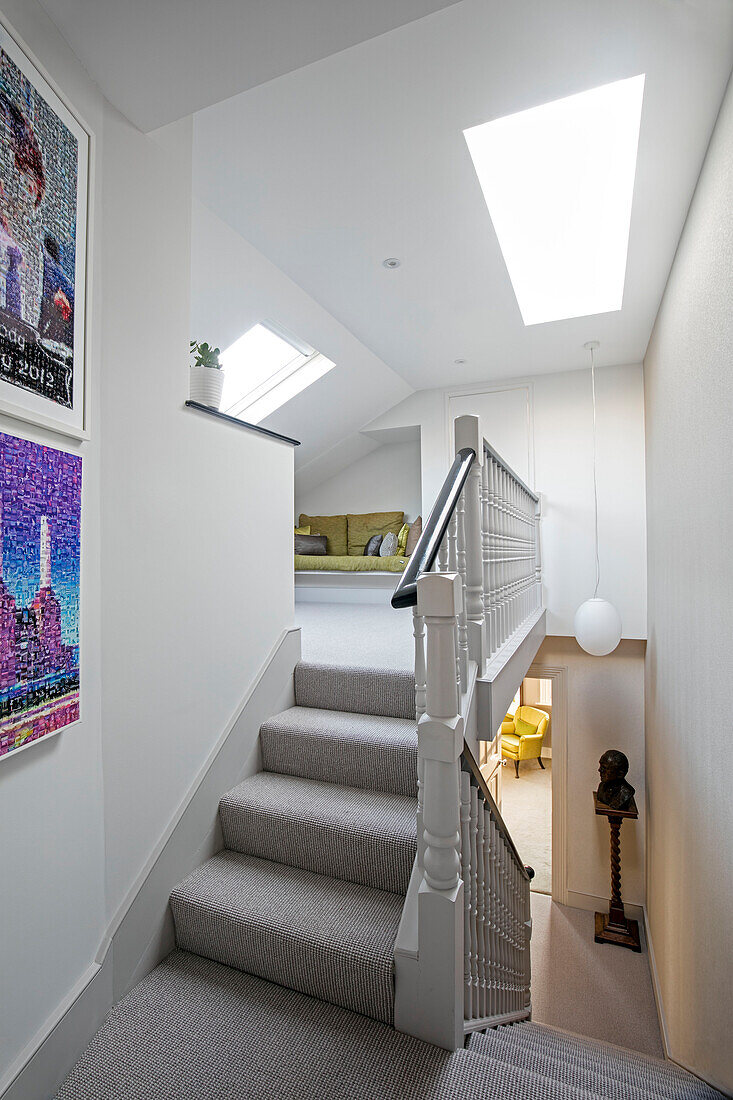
x,y
526,806
593,989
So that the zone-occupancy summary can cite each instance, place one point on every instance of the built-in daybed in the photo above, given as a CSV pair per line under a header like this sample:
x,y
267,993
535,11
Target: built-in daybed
x,y
348,550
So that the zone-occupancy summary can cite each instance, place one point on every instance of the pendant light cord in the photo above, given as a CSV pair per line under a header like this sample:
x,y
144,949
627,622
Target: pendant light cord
x,y
595,477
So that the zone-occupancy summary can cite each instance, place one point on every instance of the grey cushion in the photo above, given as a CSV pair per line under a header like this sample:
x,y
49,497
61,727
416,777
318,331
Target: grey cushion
x,y
311,544
371,550
389,545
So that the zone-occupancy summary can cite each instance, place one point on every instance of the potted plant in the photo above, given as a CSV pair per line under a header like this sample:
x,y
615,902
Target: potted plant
x,y
207,377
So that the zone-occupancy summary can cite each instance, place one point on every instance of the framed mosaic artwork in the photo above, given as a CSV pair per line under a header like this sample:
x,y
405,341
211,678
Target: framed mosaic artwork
x,y
40,540
44,167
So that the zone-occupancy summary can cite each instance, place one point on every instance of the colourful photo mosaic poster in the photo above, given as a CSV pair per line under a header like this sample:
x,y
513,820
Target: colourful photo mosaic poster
x,y
40,524
42,200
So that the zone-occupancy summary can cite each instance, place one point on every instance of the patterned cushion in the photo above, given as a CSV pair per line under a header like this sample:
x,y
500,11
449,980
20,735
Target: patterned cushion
x,y
389,545
413,536
311,544
333,527
371,550
366,524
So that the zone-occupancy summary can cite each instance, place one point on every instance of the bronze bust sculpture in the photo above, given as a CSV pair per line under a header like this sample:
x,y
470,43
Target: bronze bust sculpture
x,y
613,790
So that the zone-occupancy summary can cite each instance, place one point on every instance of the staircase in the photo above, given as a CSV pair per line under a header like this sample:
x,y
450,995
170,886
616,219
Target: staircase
x,y
319,846
282,982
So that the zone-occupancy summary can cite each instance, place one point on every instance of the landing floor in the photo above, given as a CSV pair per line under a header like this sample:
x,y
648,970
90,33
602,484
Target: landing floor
x,y
597,990
370,635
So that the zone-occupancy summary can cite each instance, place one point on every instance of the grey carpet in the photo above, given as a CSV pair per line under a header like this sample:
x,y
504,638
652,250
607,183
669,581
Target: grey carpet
x,y
356,835
319,935
369,635
356,750
359,690
590,1052
589,1068
195,1030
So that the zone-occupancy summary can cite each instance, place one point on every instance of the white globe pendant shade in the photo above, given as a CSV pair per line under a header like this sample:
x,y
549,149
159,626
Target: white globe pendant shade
x,y
597,627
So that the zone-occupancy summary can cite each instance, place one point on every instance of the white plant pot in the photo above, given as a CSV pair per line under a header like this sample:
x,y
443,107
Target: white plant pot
x,y
206,386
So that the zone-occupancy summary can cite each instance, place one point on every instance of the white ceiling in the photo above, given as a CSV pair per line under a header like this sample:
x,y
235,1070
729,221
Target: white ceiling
x,y
360,156
158,60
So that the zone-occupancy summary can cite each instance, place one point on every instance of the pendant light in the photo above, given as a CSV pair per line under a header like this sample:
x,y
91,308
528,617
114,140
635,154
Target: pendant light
x,y
597,622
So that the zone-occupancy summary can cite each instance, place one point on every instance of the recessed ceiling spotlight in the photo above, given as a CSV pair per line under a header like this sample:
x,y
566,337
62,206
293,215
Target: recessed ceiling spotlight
x,y
460,362
391,261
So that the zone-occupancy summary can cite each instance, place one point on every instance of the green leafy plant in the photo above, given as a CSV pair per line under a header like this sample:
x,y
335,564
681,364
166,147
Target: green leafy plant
x,y
204,356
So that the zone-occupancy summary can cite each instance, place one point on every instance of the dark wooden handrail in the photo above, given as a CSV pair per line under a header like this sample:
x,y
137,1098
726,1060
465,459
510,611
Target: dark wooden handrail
x,y
424,555
470,764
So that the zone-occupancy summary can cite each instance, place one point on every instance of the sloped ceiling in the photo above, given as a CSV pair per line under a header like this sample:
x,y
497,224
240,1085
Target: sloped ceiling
x,y
159,60
361,156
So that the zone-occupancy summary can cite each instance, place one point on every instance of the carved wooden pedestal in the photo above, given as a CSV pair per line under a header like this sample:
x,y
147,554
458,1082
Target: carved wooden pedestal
x,y
615,927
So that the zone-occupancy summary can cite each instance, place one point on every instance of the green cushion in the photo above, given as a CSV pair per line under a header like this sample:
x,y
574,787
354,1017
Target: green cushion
x,y
365,525
333,527
524,729
348,563
402,538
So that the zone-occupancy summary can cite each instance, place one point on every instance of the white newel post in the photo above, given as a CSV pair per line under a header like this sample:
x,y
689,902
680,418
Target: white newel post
x,y
468,434
440,743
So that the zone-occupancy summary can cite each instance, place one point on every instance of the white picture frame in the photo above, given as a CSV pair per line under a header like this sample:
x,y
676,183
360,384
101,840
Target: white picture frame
x,y
17,400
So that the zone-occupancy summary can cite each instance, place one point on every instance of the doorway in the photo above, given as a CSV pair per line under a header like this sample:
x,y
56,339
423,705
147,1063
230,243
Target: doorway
x,y
527,782
534,805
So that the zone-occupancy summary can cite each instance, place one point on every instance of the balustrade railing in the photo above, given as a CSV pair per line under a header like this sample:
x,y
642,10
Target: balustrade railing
x,y
474,582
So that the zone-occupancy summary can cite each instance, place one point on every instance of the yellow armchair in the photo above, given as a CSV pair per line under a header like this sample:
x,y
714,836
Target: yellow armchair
x,y
522,735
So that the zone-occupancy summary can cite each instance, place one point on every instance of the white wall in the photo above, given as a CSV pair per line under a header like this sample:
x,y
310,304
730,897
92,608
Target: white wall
x,y
191,606
175,619
689,414
385,480
232,287
52,902
554,429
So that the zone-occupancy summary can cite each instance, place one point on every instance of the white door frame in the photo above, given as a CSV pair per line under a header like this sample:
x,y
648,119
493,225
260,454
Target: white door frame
x,y
559,677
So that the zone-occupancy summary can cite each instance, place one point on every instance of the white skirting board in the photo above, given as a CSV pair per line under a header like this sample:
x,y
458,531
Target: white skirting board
x,y
141,932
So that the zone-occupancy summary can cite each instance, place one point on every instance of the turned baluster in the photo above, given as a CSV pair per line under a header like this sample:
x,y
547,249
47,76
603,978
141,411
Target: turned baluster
x,y
440,742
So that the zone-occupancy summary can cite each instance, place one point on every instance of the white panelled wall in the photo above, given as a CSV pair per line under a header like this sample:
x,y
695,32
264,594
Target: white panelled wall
x,y
543,425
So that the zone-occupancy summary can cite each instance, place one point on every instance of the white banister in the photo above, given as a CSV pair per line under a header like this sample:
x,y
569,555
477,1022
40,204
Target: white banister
x,y
462,954
440,741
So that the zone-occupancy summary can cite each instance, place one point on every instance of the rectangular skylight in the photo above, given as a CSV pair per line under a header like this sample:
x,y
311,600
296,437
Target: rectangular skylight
x,y
264,369
558,181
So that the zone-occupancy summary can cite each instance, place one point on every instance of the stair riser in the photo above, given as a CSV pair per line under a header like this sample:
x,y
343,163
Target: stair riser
x,y
288,961
369,766
361,691
384,862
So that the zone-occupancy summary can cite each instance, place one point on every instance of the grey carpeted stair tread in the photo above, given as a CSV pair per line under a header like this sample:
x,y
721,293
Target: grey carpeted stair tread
x,y
378,691
632,1081
377,753
194,1029
469,1074
589,1051
323,936
347,833
617,1061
